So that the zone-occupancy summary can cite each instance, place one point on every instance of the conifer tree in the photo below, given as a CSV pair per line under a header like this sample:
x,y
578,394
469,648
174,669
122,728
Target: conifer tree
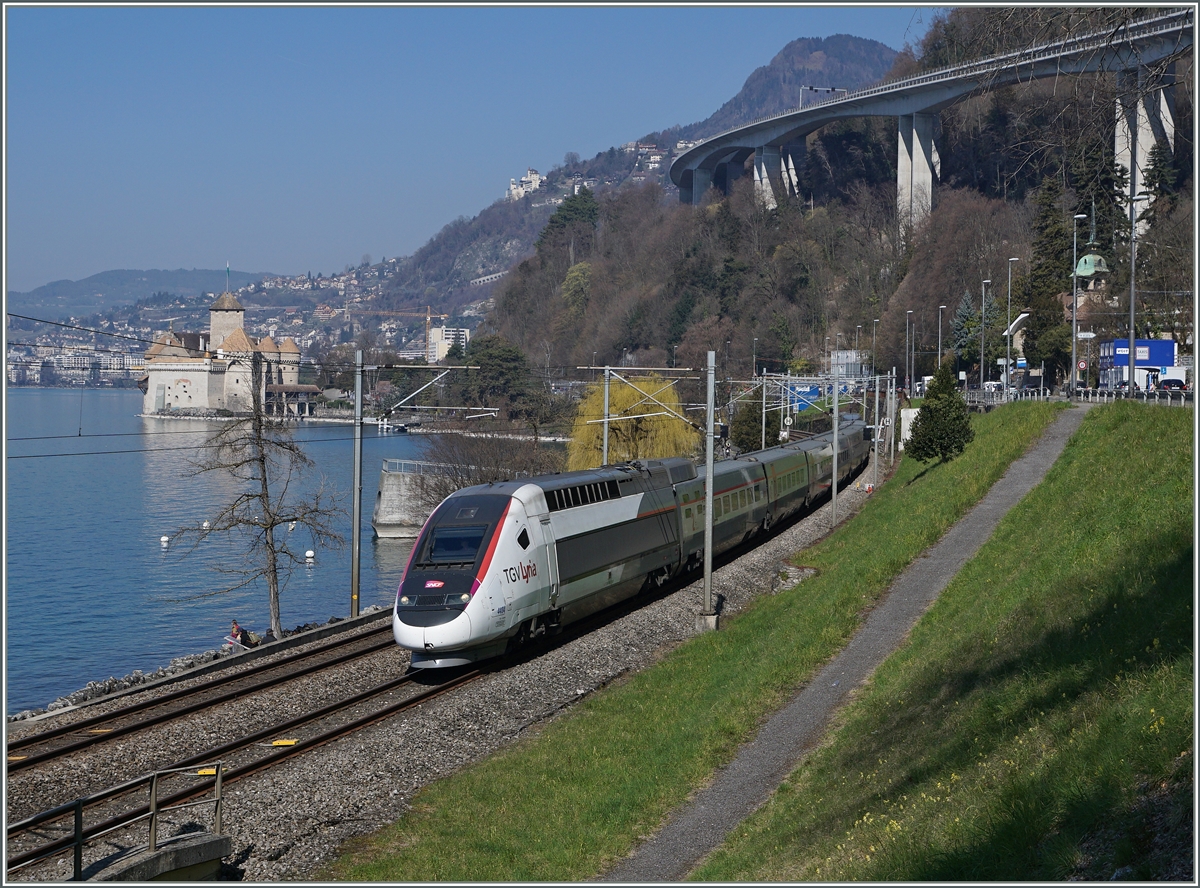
x,y
746,431
942,429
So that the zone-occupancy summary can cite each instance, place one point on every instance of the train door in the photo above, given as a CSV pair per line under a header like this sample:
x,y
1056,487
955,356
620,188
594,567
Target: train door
x,y
551,557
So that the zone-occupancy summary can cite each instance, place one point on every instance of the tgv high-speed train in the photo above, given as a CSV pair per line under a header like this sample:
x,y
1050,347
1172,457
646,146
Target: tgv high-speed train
x,y
496,564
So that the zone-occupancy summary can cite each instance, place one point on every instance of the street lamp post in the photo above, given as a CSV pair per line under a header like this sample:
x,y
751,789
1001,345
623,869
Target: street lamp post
x,y
1133,199
828,365
1008,332
836,346
907,370
940,307
982,334
1074,293
754,359
674,356
873,323
857,329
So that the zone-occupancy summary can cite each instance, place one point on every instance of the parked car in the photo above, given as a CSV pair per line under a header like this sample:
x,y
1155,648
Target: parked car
x,y
1173,385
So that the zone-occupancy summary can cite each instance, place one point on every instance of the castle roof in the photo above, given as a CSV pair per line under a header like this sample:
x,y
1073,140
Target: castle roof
x,y
267,344
237,341
289,346
226,302
167,345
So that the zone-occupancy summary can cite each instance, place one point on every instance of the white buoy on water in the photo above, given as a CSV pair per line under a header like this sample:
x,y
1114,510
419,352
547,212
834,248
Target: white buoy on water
x,y
309,556
205,525
291,527
166,541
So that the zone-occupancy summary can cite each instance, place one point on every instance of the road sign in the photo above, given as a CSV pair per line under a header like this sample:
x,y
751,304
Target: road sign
x,y
787,420
1083,365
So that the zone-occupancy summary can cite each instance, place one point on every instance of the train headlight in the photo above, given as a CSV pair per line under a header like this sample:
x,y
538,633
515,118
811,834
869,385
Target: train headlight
x,y
465,598
404,600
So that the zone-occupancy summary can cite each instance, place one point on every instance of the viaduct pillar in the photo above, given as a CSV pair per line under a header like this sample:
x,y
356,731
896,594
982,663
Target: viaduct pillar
x,y
917,163
1145,117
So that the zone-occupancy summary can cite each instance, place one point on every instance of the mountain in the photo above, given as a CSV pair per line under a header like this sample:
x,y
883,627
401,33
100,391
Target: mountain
x,y
840,61
504,233
109,289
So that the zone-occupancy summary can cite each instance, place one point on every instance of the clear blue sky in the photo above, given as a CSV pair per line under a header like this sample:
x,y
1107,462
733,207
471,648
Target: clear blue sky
x,y
298,139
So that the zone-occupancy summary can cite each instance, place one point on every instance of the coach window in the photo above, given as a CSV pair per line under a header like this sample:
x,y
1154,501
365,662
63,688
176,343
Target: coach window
x,y
523,538
742,498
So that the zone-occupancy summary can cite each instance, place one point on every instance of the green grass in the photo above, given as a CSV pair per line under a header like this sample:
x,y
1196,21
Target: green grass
x,y
568,802
1045,695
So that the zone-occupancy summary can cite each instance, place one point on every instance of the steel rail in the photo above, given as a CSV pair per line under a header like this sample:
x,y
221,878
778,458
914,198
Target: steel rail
x,y
197,706
180,693
231,774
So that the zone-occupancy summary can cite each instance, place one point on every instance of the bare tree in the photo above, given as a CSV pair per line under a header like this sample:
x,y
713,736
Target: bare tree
x,y
259,452
465,458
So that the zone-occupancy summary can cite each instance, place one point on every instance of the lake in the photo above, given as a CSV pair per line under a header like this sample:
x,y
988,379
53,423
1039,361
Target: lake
x,y
89,590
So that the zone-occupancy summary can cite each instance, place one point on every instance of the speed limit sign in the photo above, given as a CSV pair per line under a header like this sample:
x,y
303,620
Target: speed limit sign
x,y
1083,365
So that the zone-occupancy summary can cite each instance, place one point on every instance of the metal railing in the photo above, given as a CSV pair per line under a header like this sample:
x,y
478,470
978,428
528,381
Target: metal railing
x,y
1166,398
82,836
416,467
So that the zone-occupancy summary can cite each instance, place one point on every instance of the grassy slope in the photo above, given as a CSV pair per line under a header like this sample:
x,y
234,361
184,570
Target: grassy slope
x,y
1039,723
568,802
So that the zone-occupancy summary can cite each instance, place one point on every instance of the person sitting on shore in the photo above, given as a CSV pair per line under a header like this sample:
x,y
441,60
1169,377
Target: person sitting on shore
x,y
243,637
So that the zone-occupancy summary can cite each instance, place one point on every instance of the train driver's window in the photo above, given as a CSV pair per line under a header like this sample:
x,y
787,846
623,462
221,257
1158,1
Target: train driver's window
x,y
523,538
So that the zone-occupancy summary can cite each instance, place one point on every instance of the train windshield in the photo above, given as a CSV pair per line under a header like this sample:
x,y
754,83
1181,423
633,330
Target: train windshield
x,y
454,544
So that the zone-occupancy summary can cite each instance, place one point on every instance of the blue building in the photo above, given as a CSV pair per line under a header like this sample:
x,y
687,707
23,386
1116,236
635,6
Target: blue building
x,y
1156,359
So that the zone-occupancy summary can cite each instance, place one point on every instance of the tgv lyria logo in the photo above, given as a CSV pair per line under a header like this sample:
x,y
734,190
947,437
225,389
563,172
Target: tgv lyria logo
x,y
520,572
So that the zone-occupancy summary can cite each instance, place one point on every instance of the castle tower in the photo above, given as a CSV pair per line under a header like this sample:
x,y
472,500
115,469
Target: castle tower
x,y
224,316
289,359
270,352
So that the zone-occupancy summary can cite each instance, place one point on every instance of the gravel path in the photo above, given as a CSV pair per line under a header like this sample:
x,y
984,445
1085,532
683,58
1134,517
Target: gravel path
x,y
291,820
748,781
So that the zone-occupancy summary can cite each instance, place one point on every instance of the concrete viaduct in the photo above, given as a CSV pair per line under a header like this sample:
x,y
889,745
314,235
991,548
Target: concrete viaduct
x,y
1140,52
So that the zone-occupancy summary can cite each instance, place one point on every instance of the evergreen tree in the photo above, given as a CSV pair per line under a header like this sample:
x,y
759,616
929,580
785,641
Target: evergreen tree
x,y
1049,277
965,330
746,431
942,429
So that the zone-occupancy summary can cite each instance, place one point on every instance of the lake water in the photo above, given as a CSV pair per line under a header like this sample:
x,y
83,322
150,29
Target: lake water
x,y
89,590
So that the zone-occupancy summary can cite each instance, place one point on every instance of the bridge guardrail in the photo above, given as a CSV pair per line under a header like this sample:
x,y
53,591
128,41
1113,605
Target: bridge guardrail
x,y
1135,31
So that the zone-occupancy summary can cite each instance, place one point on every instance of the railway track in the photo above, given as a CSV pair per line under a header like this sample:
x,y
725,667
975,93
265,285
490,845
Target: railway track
x,y
56,743
52,832
33,839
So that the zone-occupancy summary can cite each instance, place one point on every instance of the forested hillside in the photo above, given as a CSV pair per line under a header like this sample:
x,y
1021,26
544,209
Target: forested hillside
x,y
505,232
652,282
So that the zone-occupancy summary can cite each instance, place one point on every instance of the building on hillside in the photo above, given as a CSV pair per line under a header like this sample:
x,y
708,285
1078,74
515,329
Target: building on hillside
x,y
442,339
527,184
211,371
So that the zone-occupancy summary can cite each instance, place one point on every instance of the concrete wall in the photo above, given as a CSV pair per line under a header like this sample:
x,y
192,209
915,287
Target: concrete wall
x,y
397,514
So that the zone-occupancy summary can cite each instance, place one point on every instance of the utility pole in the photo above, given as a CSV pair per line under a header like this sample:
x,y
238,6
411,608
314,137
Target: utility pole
x,y
708,617
604,446
833,496
356,524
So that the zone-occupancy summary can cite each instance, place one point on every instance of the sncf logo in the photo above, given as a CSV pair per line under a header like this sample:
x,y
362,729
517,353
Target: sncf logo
x,y
434,584
520,572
